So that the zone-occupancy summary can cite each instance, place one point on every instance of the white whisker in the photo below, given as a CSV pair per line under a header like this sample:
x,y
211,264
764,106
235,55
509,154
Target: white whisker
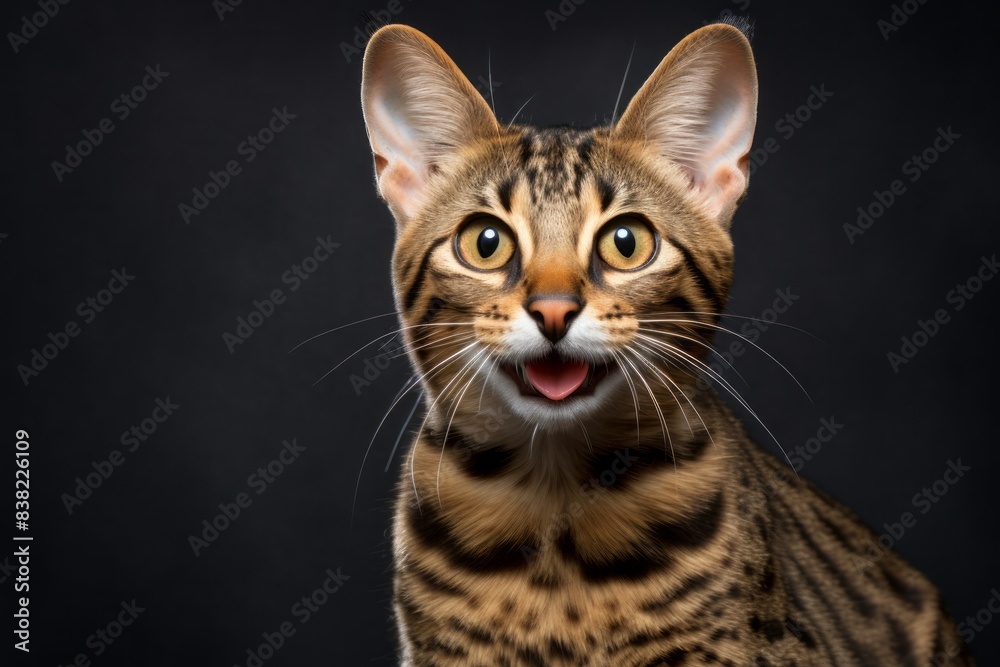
x,y
614,114
519,111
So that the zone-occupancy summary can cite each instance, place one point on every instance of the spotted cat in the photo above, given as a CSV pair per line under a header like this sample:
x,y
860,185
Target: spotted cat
x,y
566,283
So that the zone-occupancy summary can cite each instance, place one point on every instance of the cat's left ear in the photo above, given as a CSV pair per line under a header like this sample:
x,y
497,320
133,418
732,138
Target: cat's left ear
x,y
420,110
698,110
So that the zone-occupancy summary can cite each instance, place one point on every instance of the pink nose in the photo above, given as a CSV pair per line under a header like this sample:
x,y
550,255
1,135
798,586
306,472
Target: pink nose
x,y
553,314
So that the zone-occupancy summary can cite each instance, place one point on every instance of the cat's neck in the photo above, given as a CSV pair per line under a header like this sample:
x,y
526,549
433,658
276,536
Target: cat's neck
x,y
501,453
506,502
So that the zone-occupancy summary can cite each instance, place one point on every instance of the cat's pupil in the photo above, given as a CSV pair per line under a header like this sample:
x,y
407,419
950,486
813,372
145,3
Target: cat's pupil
x,y
625,241
488,242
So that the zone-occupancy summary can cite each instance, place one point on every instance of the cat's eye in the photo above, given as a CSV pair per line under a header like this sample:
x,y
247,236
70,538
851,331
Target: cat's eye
x,y
485,243
626,243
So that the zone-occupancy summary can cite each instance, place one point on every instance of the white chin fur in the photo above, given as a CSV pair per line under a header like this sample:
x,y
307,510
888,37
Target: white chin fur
x,y
553,415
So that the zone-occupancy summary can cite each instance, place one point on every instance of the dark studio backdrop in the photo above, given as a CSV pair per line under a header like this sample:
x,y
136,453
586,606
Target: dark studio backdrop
x,y
122,307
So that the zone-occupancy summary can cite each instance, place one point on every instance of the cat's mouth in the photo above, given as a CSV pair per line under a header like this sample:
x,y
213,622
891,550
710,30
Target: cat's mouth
x,y
556,378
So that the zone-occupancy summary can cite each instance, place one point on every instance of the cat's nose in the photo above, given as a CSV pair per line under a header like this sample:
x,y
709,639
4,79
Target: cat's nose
x,y
554,313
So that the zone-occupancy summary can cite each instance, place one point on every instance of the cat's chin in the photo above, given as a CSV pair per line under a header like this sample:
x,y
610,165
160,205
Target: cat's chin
x,y
535,409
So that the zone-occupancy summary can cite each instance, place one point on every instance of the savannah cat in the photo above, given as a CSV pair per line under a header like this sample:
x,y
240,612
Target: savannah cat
x,y
577,494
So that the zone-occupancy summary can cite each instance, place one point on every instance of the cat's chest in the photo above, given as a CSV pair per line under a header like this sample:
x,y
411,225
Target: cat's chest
x,y
543,616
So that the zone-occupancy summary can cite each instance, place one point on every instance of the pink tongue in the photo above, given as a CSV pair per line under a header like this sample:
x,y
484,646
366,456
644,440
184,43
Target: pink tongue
x,y
556,379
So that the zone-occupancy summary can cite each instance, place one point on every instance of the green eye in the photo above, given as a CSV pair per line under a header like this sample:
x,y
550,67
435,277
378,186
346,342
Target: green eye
x,y
626,243
486,243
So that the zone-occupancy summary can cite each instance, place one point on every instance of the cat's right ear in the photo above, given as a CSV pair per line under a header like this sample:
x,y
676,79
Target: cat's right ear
x,y
419,110
698,110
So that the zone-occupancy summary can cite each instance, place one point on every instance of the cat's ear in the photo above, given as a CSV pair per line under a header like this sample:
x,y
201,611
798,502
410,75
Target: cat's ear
x,y
420,110
698,109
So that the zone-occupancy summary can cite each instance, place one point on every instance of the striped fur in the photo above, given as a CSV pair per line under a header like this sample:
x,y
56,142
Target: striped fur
x,y
645,528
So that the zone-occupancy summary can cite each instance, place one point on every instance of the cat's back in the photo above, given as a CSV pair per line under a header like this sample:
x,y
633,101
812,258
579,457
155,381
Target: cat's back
x,y
868,606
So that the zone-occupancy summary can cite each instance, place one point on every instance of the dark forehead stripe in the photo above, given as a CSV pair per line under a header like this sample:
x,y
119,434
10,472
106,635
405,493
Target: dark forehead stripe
x,y
578,174
607,193
526,148
555,160
504,192
583,149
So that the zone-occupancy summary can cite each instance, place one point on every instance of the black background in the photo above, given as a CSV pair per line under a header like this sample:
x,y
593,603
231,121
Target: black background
x,y
162,336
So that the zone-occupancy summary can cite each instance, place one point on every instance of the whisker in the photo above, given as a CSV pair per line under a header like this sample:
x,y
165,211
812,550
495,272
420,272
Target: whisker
x,y
375,317
701,343
614,114
663,375
343,326
732,391
659,412
509,125
450,339
430,411
399,397
690,359
729,331
586,436
372,342
413,478
402,431
635,398
730,315
496,362
489,71
406,385
454,411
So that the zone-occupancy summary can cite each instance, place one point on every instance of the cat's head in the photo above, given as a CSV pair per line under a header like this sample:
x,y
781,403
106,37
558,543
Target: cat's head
x,y
564,272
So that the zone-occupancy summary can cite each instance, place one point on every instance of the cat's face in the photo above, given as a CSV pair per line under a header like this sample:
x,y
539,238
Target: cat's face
x,y
559,272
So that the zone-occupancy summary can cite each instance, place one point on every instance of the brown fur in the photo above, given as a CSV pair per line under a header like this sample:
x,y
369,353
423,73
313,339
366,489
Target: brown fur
x,y
651,531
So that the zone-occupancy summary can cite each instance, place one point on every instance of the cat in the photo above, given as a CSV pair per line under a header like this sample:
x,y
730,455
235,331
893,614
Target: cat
x,y
610,510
